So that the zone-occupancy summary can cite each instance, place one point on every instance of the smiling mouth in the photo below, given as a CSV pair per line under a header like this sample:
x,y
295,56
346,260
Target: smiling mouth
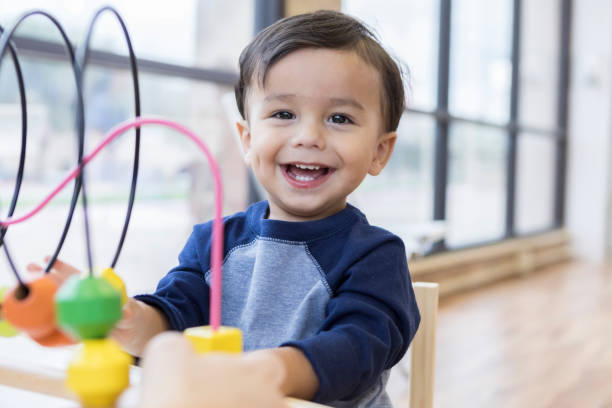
x,y
306,175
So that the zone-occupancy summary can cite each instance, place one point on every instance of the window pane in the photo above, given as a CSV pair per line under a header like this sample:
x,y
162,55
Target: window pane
x,y
476,193
539,63
409,28
401,196
480,64
174,185
535,183
207,33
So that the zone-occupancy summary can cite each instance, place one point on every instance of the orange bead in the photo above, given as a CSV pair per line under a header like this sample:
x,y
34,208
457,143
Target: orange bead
x,y
55,339
33,311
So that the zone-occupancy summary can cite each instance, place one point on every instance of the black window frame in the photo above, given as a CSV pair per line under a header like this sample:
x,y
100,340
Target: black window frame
x,y
512,128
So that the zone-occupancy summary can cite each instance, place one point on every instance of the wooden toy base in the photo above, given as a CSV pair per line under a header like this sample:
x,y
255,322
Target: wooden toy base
x,y
20,368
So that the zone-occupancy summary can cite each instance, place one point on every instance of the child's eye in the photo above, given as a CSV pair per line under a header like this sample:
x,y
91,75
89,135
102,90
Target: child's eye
x,y
340,119
284,115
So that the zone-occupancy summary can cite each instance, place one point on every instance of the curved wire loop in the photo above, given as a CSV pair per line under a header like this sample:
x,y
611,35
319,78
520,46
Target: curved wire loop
x,y
81,58
78,62
22,154
4,41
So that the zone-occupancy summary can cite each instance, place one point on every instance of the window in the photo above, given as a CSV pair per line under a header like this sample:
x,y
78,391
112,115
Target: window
x,y
400,197
414,44
539,79
475,207
204,33
487,82
535,181
480,64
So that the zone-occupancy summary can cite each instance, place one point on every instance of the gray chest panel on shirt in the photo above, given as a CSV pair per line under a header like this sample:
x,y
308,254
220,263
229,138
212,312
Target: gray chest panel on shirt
x,y
274,291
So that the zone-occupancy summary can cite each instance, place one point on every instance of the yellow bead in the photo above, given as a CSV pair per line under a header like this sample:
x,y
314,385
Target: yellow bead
x,y
206,340
116,281
99,373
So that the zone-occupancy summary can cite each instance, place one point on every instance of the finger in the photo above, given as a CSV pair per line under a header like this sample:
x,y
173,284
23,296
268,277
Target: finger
x,y
34,268
59,280
279,402
38,271
271,400
126,320
167,346
63,268
165,371
124,324
120,336
267,366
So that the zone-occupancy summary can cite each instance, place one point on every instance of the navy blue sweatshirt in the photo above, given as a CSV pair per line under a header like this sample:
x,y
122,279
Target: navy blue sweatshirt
x,y
338,289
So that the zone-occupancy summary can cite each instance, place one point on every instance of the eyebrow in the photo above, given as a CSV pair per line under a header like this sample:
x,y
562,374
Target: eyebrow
x,y
279,97
336,101
347,101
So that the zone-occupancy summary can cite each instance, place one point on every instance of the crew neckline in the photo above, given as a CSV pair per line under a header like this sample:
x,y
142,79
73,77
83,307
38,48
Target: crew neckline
x,y
299,230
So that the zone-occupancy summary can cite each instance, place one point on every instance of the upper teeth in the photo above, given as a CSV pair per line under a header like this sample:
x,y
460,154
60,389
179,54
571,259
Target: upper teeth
x,y
306,166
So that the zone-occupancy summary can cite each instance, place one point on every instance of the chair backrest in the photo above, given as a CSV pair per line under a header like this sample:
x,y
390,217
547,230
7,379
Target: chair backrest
x,y
423,348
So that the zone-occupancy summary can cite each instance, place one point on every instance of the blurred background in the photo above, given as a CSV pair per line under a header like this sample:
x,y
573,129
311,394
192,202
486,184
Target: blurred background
x,y
504,146
482,147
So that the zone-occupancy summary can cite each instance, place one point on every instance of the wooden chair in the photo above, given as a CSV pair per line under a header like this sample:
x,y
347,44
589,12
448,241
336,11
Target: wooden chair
x,y
422,350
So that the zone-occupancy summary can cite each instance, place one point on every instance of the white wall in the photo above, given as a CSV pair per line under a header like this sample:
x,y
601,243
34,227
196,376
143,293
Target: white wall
x,y
588,181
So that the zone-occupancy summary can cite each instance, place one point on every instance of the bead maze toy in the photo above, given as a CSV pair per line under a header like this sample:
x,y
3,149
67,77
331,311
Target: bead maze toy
x,y
86,309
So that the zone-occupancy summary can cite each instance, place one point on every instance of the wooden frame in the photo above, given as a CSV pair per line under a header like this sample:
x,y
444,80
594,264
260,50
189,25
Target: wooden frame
x,y
423,348
42,380
51,382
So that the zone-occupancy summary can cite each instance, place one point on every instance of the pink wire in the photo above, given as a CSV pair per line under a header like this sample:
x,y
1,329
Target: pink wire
x,y
217,232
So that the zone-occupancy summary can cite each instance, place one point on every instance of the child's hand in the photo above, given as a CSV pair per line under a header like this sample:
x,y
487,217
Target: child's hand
x,y
174,376
60,271
139,324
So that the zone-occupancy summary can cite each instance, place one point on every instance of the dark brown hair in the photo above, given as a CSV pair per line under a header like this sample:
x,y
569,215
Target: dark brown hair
x,y
322,29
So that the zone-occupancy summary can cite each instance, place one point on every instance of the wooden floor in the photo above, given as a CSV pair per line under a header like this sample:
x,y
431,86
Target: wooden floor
x,y
544,340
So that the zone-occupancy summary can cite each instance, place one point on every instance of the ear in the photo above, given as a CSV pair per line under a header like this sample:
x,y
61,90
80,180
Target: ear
x,y
384,148
245,139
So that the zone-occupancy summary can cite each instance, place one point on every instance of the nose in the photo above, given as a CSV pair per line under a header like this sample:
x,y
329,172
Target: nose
x,y
309,135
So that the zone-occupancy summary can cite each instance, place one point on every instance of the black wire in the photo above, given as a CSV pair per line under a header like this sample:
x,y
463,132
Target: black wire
x,y
22,156
10,260
11,264
82,54
86,220
4,40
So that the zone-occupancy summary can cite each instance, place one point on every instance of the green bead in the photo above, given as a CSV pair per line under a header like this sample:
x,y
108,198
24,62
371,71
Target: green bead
x,y
6,329
88,308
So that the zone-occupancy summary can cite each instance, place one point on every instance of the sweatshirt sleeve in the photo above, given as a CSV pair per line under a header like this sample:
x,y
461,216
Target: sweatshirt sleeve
x,y
183,295
370,322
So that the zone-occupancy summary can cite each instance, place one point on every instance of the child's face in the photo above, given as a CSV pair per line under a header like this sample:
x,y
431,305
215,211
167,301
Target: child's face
x,y
315,131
